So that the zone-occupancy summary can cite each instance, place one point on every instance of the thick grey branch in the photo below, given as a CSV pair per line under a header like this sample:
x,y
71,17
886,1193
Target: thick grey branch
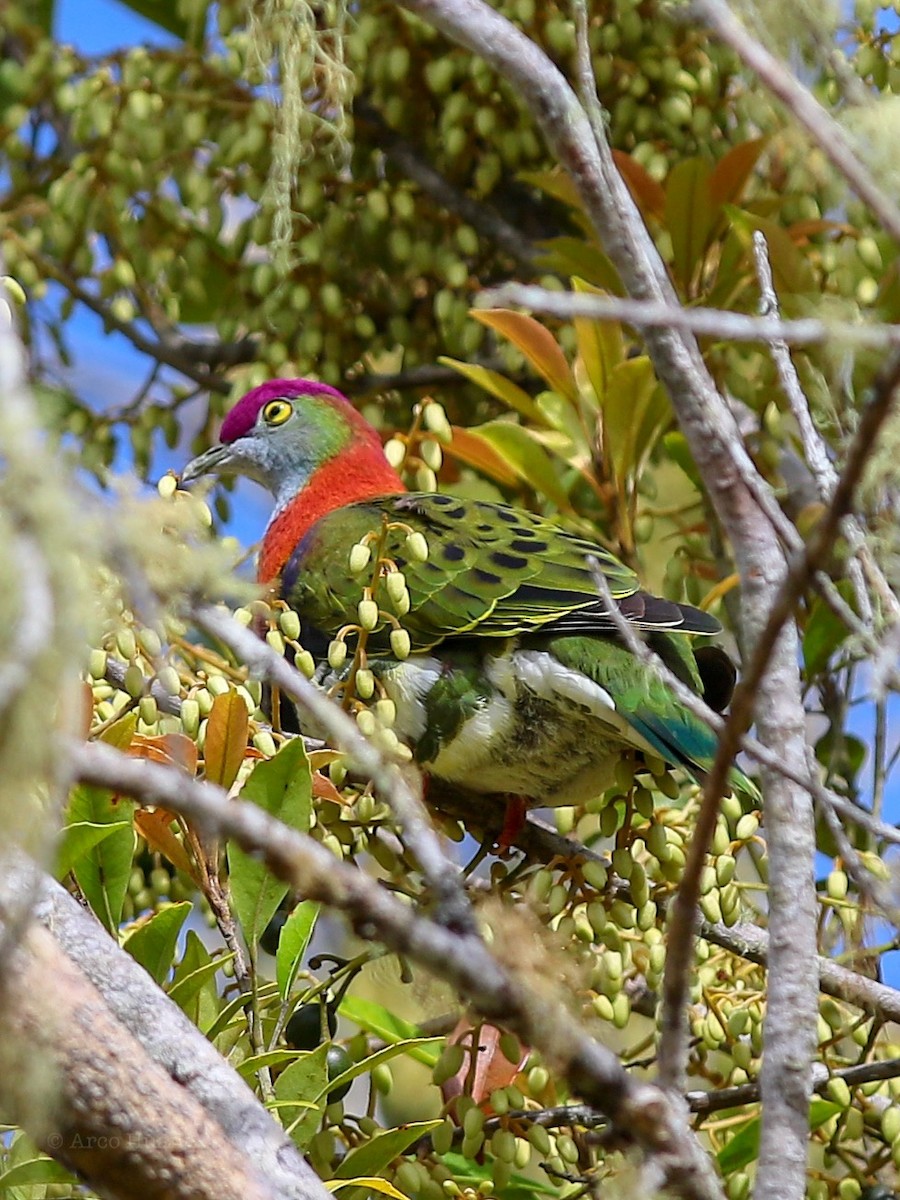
x,y
168,1037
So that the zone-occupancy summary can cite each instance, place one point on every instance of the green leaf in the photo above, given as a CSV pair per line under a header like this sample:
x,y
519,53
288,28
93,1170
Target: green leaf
x,y
35,1171
103,872
193,986
680,454
824,634
79,838
689,216
237,1005
373,1156
498,385
527,458
601,346
282,786
153,943
301,1084
292,943
266,1058
575,256
744,1146
791,272
375,1018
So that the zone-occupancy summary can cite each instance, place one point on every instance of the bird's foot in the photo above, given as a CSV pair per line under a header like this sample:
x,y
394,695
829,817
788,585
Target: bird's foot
x,y
513,822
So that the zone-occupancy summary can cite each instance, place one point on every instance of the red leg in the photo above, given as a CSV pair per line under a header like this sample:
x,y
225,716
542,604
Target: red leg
x,y
513,822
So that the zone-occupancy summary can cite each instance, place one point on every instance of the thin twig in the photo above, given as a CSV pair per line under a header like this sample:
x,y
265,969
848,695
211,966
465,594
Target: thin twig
x,y
814,449
702,322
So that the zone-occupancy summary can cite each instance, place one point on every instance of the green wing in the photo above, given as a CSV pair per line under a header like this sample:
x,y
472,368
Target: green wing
x,y
491,571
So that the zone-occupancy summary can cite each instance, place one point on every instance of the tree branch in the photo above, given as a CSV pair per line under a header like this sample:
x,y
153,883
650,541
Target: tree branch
x,y
701,322
168,1037
84,1089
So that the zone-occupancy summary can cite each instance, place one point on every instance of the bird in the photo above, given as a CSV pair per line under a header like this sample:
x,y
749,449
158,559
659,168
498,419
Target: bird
x,y
509,675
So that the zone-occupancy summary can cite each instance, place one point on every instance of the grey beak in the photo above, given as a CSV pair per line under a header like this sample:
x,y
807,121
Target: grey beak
x,y
211,462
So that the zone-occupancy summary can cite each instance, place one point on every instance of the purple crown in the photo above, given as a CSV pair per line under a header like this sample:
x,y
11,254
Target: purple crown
x,y
243,416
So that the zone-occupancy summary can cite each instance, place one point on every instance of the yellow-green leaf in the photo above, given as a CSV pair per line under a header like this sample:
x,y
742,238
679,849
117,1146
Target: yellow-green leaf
x,y
467,447
527,458
601,346
536,342
497,385
366,1181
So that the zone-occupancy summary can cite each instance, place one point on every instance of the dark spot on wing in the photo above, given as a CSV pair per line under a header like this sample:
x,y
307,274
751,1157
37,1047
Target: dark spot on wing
x,y
454,553
509,515
508,562
528,545
486,577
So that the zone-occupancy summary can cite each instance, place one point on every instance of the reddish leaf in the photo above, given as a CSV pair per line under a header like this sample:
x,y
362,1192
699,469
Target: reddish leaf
x,y
730,174
227,731
174,749
647,194
537,344
155,827
492,1068
802,231
324,789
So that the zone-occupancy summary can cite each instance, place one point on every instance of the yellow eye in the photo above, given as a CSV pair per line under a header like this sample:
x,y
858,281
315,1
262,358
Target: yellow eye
x,y
277,412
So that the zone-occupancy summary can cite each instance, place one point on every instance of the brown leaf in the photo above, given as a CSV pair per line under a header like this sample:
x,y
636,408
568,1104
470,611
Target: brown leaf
x,y
155,828
492,1068
730,174
324,789
173,749
85,705
227,731
647,194
537,344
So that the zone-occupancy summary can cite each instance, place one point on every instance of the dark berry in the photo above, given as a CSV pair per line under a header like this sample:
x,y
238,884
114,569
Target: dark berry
x,y
337,1061
304,1030
272,932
